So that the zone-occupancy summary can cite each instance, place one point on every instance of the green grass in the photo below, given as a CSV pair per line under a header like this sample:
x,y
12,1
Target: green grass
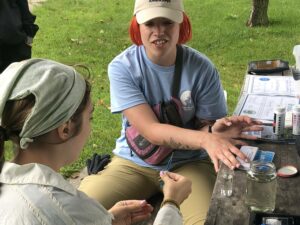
x,y
93,32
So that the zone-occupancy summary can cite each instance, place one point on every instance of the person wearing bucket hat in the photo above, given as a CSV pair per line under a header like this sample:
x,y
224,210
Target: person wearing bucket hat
x,y
141,77
46,111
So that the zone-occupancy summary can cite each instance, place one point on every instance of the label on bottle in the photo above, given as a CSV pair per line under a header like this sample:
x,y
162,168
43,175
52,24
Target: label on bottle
x,y
279,120
296,120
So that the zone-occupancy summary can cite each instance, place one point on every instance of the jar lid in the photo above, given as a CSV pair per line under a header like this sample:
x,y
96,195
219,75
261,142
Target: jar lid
x,y
287,171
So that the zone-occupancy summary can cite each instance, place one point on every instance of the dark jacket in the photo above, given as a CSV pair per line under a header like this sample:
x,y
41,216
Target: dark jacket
x,y
16,22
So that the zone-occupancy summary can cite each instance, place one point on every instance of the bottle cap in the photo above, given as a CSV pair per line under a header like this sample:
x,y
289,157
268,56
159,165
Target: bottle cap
x,y
287,171
280,109
296,108
296,50
296,73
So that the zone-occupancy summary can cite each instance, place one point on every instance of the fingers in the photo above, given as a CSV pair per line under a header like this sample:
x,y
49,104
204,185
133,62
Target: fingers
x,y
256,122
249,129
135,206
139,218
240,154
176,186
228,159
249,137
228,156
216,164
233,119
251,122
246,120
169,175
253,128
131,210
138,203
226,121
238,143
144,214
242,119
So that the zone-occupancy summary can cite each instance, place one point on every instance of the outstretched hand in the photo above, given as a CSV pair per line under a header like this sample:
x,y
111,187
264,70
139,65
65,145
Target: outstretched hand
x,y
220,145
222,149
130,211
235,126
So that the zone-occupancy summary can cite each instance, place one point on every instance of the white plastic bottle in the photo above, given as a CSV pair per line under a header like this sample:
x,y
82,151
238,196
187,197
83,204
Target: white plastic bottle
x,y
296,119
296,53
296,70
279,121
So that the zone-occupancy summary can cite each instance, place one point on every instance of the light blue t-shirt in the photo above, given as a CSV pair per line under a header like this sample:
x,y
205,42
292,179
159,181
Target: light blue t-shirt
x,y
135,80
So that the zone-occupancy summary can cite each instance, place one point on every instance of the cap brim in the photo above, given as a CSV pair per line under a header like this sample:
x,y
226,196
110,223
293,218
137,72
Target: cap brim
x,y
156,12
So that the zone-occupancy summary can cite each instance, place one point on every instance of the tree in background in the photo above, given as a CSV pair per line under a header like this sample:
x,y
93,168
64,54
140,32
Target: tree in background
x,y
259,13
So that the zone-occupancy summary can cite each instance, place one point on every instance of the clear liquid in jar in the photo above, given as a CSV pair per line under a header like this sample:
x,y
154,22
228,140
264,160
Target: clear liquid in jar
x,y
261,193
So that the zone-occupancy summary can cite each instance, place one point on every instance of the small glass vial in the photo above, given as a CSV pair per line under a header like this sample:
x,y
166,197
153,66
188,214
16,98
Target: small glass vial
x,y
227,181
261,186
279,121
296,119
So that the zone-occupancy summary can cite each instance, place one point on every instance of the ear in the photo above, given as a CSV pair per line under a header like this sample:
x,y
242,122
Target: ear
x,y
64,131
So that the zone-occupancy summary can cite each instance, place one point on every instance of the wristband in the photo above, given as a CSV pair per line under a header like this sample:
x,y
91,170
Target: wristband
x,y
209,128
170,201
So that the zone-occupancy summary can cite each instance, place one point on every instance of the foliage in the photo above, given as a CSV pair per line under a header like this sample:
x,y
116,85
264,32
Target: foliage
x,y
93,32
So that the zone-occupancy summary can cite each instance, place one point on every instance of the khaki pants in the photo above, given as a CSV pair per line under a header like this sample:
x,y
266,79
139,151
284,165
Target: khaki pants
x,y
122,179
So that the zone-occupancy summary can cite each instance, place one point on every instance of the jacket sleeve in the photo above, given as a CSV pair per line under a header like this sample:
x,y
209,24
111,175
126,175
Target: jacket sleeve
x,y
27,18
168,215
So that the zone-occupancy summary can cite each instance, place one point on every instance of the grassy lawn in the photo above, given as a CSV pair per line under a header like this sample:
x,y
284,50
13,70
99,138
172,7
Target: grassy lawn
x,y
93,32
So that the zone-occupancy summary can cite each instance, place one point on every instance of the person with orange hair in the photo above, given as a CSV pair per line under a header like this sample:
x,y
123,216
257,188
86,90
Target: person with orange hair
x,y
141,77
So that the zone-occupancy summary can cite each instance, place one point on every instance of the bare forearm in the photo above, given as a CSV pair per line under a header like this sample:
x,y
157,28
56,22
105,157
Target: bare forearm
x,y
175,137
145,121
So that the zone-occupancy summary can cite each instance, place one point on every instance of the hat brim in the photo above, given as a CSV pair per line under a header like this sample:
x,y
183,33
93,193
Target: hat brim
x,y
156,12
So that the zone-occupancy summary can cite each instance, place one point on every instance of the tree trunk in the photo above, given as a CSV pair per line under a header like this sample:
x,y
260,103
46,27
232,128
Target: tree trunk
x,y
259,13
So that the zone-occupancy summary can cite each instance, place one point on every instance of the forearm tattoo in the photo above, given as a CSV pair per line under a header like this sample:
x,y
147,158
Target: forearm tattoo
x,y
199,124
176,145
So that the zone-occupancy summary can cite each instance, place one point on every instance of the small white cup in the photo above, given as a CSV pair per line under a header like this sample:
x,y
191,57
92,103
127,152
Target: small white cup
x,y
296,53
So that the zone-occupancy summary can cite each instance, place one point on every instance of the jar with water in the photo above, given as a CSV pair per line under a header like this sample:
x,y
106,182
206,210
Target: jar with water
x,y
261,186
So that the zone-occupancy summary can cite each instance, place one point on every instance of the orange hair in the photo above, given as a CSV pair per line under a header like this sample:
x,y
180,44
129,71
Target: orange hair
x,y
185,33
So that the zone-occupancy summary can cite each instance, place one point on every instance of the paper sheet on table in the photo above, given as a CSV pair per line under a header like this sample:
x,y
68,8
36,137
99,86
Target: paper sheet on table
x,y
262,107
270,85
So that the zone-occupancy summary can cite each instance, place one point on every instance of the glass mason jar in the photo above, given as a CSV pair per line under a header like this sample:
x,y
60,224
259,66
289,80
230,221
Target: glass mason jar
x,y
261,186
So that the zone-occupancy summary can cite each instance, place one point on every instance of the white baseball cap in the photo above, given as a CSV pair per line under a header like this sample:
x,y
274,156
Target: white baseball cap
x,y
146,10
